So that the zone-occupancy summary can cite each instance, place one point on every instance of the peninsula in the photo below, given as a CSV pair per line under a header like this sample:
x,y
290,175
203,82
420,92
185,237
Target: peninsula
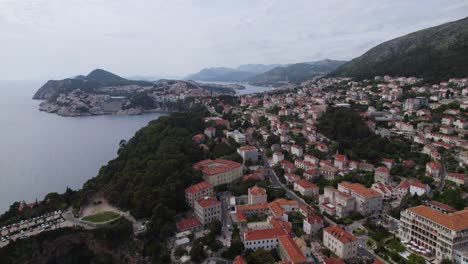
x,y
102,92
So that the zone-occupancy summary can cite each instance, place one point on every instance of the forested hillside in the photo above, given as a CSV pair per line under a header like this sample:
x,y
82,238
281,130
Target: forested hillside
x,y
150,174
436,54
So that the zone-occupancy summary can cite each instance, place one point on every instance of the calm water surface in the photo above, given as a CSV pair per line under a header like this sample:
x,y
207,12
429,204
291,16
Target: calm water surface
x,y
42,153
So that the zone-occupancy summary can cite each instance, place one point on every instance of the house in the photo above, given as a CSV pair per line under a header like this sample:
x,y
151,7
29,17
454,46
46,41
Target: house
x,y
287,166
197,191
328,172
386,190
341,161
340,242
291,177
368,201
237,136
210,132
312,224
297,150
312,159
306,188
459,179
248,153
311,174
434,170
305,165
207,209
336,203
257,195
219,171
366,166
461,124
277,157
412,186
388,163
382,174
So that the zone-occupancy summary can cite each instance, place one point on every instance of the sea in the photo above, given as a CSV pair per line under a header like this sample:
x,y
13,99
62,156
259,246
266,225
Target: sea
x,y
42,153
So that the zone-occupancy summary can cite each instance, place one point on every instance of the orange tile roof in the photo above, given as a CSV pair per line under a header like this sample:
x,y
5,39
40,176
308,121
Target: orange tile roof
x,y
239,260
187,224
247,148
442,206
198,187
263,234
378,261
382,169
208,201
454,221
306,184
213,167
340,234
256,191
360,189
291,248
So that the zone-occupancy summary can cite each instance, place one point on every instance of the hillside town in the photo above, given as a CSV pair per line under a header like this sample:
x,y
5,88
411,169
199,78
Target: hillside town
x,y
328,171
282,185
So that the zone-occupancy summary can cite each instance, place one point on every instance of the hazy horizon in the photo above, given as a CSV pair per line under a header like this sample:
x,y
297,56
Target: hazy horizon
x,y
53,39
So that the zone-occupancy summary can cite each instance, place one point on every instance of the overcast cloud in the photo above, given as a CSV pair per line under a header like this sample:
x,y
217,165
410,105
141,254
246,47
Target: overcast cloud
x,y
59,38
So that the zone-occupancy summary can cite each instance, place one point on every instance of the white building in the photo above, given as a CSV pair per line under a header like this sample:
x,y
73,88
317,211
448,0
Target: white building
x,y
248,153
208,209
237,136
340,242
297,150
277,157
306,188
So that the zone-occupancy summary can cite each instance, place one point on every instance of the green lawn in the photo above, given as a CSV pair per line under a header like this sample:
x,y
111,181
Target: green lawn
x,y
101,217
395,245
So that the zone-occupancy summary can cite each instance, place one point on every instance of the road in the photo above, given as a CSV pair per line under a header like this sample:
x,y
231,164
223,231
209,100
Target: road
x,y
292,195
225,237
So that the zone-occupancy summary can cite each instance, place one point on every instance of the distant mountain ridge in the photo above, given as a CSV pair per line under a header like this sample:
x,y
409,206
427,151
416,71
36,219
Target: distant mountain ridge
x,y
225,74
435,54
267,73
296,72
95,79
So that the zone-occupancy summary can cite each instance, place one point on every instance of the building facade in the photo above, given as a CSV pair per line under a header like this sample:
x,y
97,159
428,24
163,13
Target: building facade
x,y
197,191
207,209
219,171
441,234
340,242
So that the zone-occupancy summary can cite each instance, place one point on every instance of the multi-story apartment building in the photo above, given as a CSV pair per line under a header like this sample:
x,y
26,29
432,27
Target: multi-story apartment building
x,y
368,201
306,188
248,153
336,203
237,136
219,171
197,191
340,242
207,209
382,174
441,234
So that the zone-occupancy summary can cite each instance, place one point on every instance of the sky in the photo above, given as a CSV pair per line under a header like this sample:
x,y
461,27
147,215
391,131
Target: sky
x,y
47,39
